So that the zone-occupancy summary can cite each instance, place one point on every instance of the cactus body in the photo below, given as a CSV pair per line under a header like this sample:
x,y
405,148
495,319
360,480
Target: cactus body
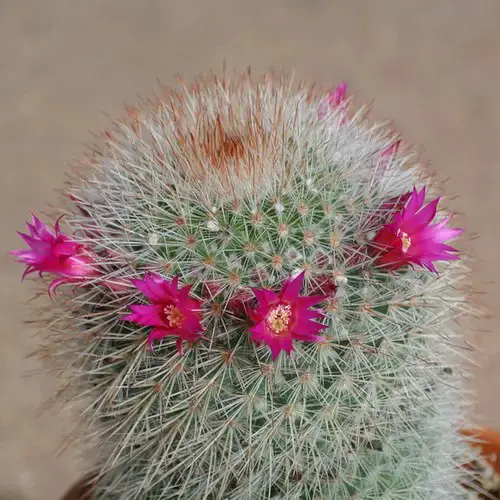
x,y
232,185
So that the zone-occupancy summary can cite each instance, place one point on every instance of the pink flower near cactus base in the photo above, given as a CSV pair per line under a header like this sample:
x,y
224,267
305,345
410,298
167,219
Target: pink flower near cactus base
x,y
172,311
283,317
56,253
334,99
411,238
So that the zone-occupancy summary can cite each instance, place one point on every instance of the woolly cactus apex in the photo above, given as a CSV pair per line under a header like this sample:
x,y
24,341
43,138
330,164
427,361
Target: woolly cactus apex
x,y
272,309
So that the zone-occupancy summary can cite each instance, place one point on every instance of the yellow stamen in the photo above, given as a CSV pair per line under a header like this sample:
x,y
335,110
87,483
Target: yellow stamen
x,y
405,241
173,316
279,318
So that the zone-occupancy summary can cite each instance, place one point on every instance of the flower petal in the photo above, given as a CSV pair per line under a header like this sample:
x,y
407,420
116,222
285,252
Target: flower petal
x,y
184,291
157,334
260,332
309,301
292,288
66,249
279,344
305,328
414,204
422,218
191,323
151,288
309,337
265,296
41,230
146,315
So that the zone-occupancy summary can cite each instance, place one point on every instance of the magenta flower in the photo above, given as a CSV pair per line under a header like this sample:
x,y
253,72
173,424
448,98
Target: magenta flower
x,y
386,209
172,311
337,96
283,317
391,149
411,238
324,284
334,99
239,303
387,154
56,253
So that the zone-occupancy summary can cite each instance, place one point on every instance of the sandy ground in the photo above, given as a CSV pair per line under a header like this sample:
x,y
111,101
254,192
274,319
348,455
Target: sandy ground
x,y
431,66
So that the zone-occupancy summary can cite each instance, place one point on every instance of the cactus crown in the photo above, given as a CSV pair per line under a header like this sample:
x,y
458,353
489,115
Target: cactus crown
x,y
237,187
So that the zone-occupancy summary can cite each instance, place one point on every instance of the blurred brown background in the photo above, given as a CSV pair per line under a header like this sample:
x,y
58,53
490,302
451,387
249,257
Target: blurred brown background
x,y
432,66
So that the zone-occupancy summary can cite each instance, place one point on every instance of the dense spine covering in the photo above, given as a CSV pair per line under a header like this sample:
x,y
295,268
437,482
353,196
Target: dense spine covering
x,y
261,316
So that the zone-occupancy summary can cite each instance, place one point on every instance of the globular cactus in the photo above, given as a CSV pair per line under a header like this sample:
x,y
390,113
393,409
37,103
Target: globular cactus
x,y
248,299
487,463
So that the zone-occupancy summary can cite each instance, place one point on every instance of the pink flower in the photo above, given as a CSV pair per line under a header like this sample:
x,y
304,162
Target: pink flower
x,y
172,311
239,303
386,155
391,149
335,98
281,318
211,289
386,209
411,238
354,255
324,284
56,253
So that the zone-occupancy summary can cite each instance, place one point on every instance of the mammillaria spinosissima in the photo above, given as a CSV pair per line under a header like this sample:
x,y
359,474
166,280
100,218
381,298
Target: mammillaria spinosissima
x,y
261,315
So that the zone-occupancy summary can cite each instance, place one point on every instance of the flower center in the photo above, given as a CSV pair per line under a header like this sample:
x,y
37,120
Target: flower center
x,y
279,318
173,316
405,240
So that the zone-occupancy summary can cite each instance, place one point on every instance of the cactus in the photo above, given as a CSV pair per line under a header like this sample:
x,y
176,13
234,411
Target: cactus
x,y
246,300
